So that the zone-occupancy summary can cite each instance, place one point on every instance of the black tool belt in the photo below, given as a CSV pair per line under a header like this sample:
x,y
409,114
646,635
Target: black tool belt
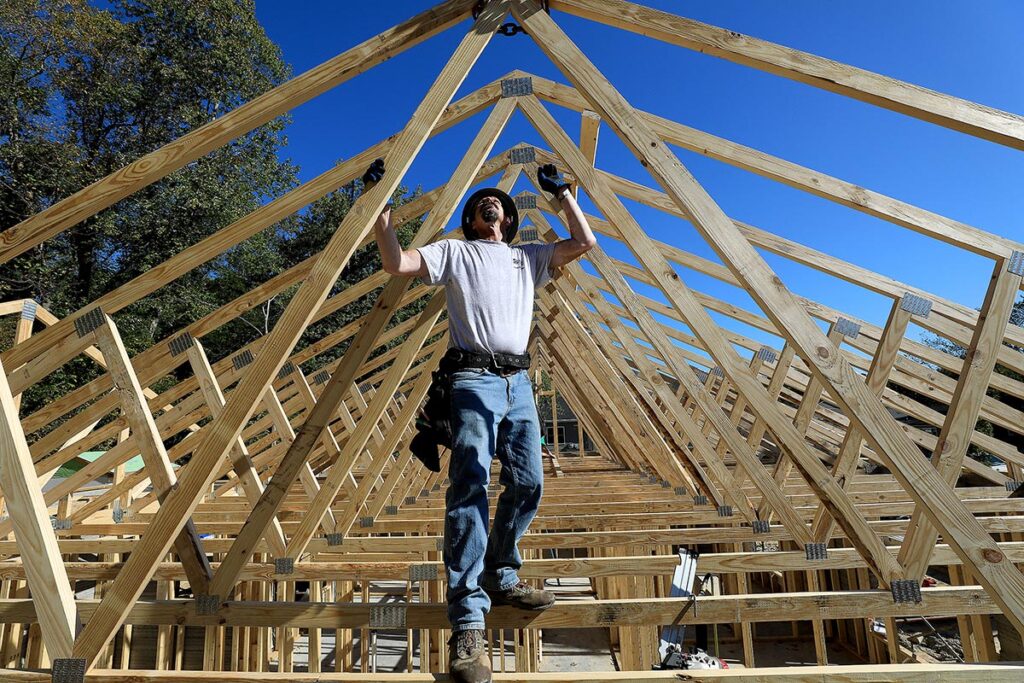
x,y
499,363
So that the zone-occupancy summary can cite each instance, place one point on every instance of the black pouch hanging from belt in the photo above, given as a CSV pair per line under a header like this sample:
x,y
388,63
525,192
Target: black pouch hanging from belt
x,y
434,424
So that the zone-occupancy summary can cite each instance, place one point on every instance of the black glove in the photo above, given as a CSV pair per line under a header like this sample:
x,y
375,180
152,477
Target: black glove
x,y
374,173
550,179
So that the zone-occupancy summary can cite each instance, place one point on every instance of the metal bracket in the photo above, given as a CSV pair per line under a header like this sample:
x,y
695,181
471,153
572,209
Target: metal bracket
x,y
387,616
334,539
284,565
390,509
1016,263
366,522
916,305
700,499
60,524
118,513
526,201
286,369
89,322
207,604
180,344
847,328
422,572
905,590
321,377
766,354
816,551
760,526
529,235
725,510
242,359
523,155
68,670
511,28
516,87
28,309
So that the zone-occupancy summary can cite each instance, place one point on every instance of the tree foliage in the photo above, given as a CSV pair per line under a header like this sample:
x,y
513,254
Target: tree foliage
x,y
89,89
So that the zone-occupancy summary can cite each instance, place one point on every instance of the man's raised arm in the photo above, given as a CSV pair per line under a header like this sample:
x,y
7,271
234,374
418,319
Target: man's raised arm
x,y
581,238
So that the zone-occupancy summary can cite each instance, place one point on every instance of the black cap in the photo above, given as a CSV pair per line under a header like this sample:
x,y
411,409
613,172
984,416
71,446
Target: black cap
x,y
507,204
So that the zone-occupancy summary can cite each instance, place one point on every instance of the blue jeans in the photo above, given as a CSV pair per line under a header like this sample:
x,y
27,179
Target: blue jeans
x,y
491,415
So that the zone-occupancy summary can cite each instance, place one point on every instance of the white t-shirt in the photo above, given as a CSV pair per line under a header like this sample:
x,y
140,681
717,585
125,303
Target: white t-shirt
x,y
490,289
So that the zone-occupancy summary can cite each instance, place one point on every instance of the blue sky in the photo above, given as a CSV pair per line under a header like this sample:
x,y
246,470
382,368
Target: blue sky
x,y
970,50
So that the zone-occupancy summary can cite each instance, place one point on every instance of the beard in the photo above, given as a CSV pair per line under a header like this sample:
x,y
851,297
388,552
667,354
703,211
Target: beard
x,y
489,214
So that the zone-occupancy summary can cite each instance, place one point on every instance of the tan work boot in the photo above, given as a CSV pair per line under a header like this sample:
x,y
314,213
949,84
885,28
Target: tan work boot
x,y
523,596
467,656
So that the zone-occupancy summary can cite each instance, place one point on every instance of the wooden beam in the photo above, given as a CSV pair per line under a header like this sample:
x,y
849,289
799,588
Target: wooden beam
x,y
928,105
223,431
172,156
1003,581
147,439
962,414
36,542
241,463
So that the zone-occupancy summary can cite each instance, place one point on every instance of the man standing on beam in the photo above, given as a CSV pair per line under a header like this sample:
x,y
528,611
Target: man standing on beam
x,y
490,290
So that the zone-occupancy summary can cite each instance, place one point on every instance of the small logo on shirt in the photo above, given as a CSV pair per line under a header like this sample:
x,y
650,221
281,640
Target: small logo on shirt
x,y
518,261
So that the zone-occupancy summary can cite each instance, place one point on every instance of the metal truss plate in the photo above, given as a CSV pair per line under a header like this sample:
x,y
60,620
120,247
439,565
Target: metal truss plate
x,y
680,491
516,87
725,510
366,522
700,499
68,670
436,487
321,377
242,359
760,526
334,539
905,590
439,544
916,305
410,500
847,328
422,572
526,201
387,616
180,344
118,512
286,369
390,510
529,235
28,309
207,604
523,155
424,492
816,551
665,484
1013,485
365,387
717,371
284,565
766,354
89,322
1016,263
